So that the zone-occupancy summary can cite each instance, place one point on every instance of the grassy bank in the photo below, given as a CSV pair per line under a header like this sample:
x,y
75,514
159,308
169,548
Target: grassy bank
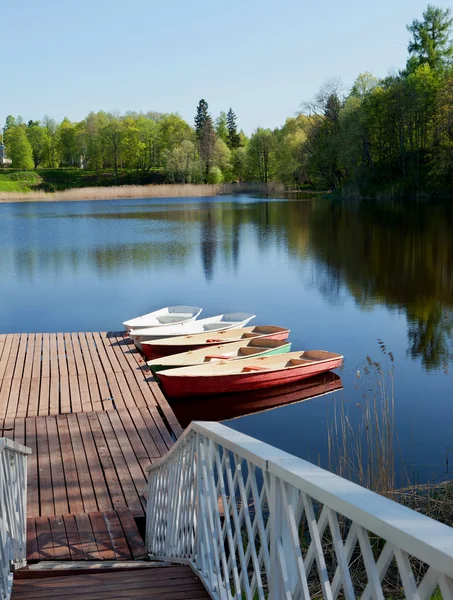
x,y
137,191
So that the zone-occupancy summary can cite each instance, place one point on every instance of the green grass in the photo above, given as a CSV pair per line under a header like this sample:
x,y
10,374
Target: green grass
x,y
53,180
18,181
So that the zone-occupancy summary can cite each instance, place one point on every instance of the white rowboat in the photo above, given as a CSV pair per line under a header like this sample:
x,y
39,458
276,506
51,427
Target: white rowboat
x,y
170,315
217,323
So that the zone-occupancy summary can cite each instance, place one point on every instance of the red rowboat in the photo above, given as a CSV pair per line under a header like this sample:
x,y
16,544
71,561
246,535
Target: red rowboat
x,y
246,374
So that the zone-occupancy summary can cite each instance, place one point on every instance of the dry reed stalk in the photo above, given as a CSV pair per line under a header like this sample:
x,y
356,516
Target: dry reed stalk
x,y
365,453
141,191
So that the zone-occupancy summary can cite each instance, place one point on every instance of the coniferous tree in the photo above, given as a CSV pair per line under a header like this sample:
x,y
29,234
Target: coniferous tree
x,y
234,139
431,39
206,143
201,116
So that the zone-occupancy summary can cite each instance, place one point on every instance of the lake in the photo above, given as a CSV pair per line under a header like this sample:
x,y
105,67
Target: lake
x,y
340,274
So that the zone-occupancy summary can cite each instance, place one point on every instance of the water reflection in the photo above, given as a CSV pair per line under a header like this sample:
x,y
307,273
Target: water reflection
x,y
232,406
397,254
394,254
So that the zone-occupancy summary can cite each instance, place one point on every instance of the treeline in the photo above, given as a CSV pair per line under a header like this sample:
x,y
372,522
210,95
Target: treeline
x,y
388,136
391,136
213,151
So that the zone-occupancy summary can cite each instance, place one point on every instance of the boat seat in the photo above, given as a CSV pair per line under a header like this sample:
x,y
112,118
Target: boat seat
x,y
170,319
222,356
254,368
210,326
298,361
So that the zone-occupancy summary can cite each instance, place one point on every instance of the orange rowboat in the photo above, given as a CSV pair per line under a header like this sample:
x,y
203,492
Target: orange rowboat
x,y
166,346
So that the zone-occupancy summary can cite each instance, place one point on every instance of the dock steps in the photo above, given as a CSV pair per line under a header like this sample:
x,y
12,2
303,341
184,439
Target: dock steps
x,y
158,583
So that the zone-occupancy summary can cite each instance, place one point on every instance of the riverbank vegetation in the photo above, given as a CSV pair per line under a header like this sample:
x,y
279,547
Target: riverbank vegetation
x,y
385,137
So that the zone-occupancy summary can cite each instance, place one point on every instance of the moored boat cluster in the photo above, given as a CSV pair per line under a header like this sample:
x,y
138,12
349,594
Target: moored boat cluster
x,y
196,357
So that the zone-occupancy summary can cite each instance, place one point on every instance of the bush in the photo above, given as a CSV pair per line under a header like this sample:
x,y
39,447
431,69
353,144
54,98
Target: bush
x,y
215,175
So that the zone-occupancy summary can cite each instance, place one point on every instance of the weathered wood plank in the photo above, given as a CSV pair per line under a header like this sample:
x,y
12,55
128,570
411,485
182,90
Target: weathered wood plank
x,y
32,541
101,492
56,464
74,496
101,535
4,359
108,466
117,537
33,477
83,467
78,357
132,534
37,356
59,538
74,542
61,354
20,359
120,457
45,476
116,367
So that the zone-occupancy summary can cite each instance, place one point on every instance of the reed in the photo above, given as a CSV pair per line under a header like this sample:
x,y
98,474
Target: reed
x,y
142,191
365,452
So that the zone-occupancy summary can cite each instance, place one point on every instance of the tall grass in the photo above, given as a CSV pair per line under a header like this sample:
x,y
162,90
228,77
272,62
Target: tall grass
x,y
141,191
365,452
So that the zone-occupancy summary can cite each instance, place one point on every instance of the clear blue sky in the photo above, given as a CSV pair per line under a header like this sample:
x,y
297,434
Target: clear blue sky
x,y
262,57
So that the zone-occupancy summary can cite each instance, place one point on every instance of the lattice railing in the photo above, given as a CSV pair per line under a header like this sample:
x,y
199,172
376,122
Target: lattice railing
x,y
256,522
13,511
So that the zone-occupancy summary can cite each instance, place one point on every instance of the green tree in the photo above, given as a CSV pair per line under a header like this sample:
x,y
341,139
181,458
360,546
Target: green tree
x,y
19,148
234,139
430,41
200,117
39,140
67,144
260,154
206,145
221,127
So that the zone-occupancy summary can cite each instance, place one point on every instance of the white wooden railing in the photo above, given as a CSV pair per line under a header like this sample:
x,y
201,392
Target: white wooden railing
x,y
256,522
13,511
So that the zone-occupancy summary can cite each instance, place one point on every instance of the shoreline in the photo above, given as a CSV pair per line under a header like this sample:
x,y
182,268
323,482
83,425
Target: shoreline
x,y
141,191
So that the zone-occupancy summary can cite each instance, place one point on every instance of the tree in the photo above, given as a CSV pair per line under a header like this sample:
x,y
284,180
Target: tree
x,y
113,135
39,140
431,39
182,163
19,148
260,154
200,117
67,144
234,139
50,124
206,144
221,127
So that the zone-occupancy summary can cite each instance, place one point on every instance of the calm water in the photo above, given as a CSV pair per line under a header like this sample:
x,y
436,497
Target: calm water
x,y
340,275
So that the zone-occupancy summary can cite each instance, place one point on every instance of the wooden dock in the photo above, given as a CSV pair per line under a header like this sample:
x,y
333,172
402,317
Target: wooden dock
x,y
86,404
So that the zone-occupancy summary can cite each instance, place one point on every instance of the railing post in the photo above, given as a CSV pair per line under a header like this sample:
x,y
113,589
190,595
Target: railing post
x,y
283,535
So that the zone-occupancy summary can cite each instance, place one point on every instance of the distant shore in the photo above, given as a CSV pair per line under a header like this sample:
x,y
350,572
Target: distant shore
x,y
142,191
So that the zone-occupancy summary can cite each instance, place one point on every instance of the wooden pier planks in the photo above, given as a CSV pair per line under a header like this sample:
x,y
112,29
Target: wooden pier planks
x,y
60,373
98,535
88,462
84,403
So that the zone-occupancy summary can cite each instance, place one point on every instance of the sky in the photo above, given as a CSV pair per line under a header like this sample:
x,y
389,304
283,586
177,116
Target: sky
x,y
261,57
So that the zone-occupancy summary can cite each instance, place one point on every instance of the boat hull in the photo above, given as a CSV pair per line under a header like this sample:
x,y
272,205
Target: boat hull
x,y
186,387
156,368
155,350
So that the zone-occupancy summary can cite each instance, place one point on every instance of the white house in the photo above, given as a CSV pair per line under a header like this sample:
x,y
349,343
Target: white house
x,y
3,159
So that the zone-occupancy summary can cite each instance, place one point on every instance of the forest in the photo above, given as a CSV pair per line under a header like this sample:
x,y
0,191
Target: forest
x,y
383,137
